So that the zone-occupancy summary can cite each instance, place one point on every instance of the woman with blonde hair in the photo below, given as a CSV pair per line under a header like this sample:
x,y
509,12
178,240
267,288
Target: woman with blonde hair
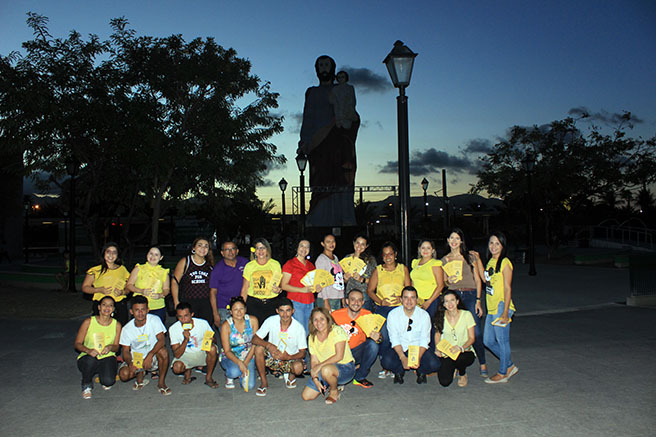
x,y
261,286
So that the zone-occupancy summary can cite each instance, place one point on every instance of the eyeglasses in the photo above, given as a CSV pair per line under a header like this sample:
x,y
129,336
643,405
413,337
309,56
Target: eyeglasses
x,y
455,337
352,330
409,325
229,249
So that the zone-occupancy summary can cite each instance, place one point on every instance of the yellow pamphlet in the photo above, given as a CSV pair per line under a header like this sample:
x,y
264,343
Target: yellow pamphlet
x,y
318,277
187,326
371,322
445,347
99,341
244,381
137,360
454,268
207,341
497,322
413,356
353,265
275,280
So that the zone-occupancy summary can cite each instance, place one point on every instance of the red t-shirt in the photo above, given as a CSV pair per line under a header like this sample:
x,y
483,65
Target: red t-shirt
x,y
356,336
296,268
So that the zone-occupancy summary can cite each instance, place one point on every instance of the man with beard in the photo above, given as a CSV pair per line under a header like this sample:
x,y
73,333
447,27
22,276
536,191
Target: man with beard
x,y
331,152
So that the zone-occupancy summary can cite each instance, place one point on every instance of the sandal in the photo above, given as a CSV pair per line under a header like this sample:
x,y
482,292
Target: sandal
x,y
261,391
331,400
86,393
165,391
154,375
188,381
139,386
212,384
290,383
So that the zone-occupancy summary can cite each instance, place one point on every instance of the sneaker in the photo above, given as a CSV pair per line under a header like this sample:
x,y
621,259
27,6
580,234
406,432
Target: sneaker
x,y
107,387
230,383
363,383
398,379
86,393
384,374
421,378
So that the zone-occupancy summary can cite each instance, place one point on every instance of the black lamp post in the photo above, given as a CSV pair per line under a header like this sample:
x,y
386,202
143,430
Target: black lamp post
x,y
71,169
301,162
27,204
424,186
529,165
399,63
283,186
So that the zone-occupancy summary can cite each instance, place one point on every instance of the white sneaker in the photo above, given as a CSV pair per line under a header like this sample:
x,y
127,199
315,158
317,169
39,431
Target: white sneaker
x,y
384,374
230,383
86,393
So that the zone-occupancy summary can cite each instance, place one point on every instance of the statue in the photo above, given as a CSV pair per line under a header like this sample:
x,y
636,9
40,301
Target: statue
x,y
328,134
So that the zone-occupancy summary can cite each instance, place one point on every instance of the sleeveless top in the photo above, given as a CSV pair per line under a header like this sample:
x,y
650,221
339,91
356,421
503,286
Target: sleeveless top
x,y
467,282
390,282
240,344
150,277
195,282
107,335
116,278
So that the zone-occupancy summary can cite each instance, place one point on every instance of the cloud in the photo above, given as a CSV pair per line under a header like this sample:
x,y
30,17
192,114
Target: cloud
x,y
433,161
294,121
365,80
478,145
605,117
272,166
267,183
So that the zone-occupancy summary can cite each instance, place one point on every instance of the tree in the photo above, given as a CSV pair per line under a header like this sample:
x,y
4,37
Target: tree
x,y
150,120
571,169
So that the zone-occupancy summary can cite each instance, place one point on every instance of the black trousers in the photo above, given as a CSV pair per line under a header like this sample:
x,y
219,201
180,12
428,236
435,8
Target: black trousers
x,y
105,368
445,372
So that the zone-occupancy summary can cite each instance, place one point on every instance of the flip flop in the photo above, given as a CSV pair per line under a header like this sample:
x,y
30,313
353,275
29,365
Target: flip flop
x,y
165,391
331,400
189,381
291,383
139,386
212,384
261,391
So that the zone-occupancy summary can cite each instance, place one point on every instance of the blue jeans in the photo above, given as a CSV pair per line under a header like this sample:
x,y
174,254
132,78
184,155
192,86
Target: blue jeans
x,y
497,339
365,355
302,313
232,371
468,299
345,374
429,362
385,343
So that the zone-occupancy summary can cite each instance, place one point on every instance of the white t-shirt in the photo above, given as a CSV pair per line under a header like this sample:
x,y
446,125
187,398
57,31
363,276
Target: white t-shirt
x,y
291,341
142,339
195,335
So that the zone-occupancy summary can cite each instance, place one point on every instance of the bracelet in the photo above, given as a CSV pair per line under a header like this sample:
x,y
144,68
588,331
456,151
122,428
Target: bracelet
x,y
478,298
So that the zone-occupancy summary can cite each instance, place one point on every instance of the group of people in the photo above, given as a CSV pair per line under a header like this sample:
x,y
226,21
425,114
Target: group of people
x,y
287,322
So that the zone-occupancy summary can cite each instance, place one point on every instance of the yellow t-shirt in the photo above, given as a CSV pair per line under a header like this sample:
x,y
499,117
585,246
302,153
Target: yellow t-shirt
x,y
116,278
458,335
390,283
259,278
494,287
423,278
109,333
150,277
326,349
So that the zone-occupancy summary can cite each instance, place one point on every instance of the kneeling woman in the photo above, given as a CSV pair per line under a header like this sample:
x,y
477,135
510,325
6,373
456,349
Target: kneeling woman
x,y
456,325
97,342
237,341
332,361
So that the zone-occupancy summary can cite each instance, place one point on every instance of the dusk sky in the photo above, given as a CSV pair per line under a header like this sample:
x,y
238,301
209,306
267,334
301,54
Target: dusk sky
x,y
482,66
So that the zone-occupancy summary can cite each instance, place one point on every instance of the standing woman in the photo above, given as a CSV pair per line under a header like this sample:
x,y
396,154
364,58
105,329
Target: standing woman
x,y
427,276
332,360
468,286
330,297
258,288
108,279
500,307
97,342
237,343
152,281
454,324
359,281
292,273
191,279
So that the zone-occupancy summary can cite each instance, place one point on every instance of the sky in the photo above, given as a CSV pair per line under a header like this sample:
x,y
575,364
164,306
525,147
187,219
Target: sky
x,y
481,68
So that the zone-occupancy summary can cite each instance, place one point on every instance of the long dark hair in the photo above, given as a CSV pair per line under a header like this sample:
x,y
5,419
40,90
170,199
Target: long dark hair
x,y
438,320
210,256
365,255
463,246
104,267
504,249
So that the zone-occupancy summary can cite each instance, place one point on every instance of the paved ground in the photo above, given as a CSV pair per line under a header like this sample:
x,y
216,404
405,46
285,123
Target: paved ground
x,y
586,368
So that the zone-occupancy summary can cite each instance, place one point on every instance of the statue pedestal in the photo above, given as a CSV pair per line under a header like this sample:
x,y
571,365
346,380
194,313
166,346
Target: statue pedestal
x,y
334,210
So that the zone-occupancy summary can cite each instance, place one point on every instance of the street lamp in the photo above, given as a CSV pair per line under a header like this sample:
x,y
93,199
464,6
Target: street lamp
x,y
399,63
529,165
424,186
71,169
283,186
301,162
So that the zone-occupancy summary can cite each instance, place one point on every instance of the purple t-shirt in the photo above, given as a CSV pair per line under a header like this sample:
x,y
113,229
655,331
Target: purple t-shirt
x,y
227,281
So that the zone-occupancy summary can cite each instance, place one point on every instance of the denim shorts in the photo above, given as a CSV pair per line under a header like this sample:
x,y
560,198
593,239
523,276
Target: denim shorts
x,y
346,374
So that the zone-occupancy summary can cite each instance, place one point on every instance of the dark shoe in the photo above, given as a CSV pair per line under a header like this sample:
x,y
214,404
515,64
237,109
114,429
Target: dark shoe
x,y
363,383
421,378
201,370
398,378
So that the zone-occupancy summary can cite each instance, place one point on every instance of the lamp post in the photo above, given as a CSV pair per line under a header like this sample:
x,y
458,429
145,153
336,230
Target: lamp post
x,y
27,204
424,186
283,186
71,169
529,165
399,63
301,162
